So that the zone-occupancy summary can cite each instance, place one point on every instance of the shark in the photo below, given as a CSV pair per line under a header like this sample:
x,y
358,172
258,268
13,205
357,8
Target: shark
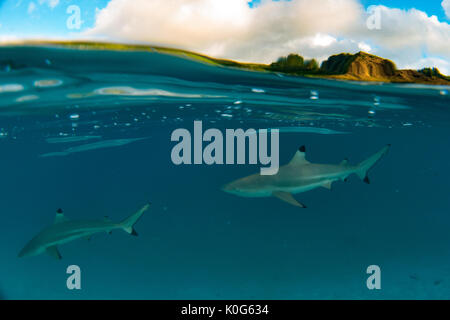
x,y
64,230
300,175
92,146
71,139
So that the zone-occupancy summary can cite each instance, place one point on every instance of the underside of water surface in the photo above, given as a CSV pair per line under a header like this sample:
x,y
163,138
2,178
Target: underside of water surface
x,y
89,131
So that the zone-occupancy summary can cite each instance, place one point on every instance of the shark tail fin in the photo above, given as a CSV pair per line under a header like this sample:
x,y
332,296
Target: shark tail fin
x,y
367,164
128,223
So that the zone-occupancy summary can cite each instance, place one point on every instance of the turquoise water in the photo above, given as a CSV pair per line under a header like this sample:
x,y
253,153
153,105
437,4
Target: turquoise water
x,y
197,242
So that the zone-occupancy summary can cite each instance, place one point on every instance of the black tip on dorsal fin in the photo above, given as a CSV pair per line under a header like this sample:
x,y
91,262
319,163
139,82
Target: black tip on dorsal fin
x,y
59,211
366,180
302,149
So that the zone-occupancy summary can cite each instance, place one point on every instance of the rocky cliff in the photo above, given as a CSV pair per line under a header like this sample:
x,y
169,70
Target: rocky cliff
x,y
366,67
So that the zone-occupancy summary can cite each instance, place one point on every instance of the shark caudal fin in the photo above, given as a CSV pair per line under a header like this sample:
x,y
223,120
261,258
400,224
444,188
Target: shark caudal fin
x,y
367,164
128,223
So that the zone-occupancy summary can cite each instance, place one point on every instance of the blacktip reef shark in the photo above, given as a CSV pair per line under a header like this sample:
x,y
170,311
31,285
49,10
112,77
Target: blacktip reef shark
x,y
64,230
300,175
71,139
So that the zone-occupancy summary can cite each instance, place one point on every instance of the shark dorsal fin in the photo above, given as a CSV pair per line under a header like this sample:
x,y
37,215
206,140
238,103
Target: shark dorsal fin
x,y
60,217
54,252
299,157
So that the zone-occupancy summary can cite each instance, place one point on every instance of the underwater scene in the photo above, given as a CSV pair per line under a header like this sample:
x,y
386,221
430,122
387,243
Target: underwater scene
x,y
87,135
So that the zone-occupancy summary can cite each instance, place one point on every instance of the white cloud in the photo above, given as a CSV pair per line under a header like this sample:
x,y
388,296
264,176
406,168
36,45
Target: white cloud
x,y
446,5
313,28
8,38
364,47
410,36
197,24
323,40
225,28
31,7
50,3
426,62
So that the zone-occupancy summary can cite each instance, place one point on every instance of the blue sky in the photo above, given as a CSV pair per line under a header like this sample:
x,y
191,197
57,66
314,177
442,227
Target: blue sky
x,y
15,18
46,21
432,7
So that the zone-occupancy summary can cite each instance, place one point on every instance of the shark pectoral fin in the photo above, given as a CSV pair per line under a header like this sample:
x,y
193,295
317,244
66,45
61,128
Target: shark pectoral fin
x,y
53,251
287,197
327,185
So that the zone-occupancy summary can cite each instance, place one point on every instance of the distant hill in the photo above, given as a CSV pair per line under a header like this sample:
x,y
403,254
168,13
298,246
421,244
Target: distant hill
x,y
366,67
360,66
357,67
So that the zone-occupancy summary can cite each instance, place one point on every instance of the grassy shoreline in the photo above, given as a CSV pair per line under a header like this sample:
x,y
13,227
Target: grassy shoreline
x,y
337,67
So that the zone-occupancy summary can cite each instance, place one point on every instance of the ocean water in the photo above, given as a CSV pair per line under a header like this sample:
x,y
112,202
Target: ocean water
x,y
196,241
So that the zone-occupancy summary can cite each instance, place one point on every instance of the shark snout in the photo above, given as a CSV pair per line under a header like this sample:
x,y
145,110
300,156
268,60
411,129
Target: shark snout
x,y
227,187
230,188
233,188
22,253
29,250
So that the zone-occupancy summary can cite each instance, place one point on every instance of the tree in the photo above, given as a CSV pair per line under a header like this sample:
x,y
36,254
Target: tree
x,y
294,61
312,65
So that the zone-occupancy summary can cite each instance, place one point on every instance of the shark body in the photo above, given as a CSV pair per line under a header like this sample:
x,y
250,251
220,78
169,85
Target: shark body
x,y
64,230
300,175
71,139
92,146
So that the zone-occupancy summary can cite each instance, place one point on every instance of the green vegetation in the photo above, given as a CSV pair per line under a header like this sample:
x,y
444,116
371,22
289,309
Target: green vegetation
x,y
434,72
296,64
312,65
